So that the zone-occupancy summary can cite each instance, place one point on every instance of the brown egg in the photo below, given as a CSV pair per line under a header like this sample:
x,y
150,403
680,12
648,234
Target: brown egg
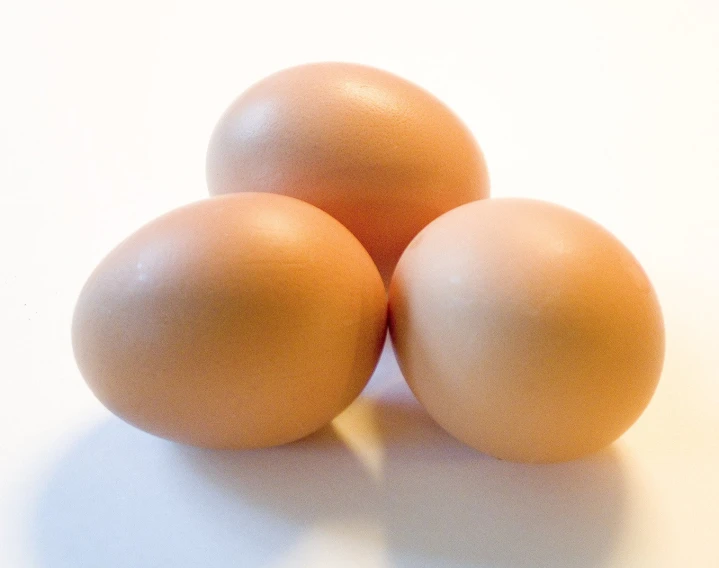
x,y
376,152
526,330
236,322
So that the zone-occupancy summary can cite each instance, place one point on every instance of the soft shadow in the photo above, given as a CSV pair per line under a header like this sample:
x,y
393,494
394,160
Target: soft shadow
x,y
306,483
122,498
448,505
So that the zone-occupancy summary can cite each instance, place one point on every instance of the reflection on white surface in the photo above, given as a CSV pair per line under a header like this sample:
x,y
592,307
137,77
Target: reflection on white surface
x,y
382,487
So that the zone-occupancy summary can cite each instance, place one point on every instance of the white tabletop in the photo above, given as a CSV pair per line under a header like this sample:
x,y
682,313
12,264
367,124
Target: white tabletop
x,y
611,108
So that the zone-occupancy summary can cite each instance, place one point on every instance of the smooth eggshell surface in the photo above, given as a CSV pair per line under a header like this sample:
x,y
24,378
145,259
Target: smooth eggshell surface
x,y
375,151
526,330
235,322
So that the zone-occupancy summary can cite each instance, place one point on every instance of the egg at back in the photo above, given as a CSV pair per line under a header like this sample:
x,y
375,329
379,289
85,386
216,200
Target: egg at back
x,y
377,152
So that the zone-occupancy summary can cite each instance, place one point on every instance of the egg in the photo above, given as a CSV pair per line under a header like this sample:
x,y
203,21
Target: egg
x,y
526,330
375,151
240,321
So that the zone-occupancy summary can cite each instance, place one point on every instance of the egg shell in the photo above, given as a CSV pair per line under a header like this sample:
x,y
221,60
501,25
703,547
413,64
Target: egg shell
x,y
526,330
239,321
378,153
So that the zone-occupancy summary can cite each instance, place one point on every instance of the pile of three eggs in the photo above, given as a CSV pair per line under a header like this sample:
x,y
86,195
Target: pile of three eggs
x,y
252,319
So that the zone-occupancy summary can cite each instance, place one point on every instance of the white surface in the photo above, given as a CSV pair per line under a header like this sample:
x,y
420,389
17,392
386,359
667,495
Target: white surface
x,y
611,108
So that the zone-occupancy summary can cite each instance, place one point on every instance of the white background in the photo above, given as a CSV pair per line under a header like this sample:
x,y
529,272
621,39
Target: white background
x,y
611,108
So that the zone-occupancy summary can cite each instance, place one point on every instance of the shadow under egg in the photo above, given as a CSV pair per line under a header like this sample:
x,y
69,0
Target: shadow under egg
x,y
122,498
